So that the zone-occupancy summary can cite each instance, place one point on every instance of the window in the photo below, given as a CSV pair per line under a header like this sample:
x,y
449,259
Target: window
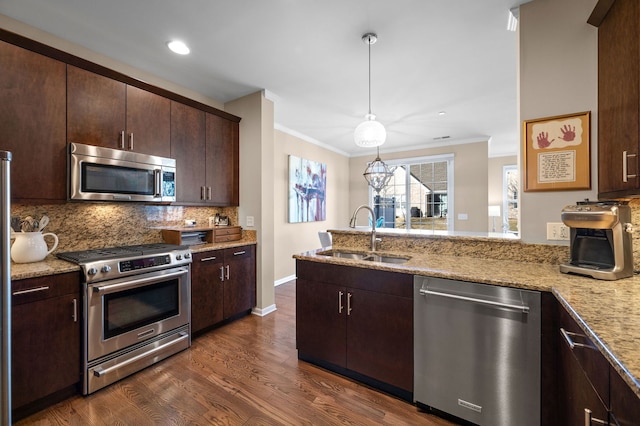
x,y
510,197
418,196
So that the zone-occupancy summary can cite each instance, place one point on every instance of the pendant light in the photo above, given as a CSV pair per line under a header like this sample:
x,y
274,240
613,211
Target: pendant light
x,y
370,132
378,174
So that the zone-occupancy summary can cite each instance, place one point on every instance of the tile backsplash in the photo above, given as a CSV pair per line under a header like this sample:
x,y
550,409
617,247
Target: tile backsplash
x,y
81,226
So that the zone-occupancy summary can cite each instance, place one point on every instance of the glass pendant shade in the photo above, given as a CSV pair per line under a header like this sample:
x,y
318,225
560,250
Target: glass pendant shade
x,y
378,174
370,133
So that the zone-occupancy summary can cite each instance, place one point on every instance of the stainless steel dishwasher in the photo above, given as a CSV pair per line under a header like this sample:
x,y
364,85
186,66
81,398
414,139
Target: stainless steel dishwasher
x,y
477,351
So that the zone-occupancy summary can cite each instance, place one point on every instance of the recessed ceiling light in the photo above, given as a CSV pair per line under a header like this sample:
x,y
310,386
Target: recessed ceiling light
x,y
442,113
178,47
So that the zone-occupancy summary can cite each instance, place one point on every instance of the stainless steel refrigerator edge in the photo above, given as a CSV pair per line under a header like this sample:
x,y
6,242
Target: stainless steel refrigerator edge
x,y
477,351
5,296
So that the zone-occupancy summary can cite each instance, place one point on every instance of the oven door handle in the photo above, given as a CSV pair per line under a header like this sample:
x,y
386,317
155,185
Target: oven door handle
x,y
133,283
100,372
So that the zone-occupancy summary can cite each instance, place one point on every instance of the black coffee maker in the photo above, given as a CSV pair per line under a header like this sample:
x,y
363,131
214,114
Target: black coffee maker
x,y
600,239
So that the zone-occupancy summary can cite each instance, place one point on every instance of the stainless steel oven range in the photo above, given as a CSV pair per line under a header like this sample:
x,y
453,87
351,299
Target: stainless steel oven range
x,y
136,308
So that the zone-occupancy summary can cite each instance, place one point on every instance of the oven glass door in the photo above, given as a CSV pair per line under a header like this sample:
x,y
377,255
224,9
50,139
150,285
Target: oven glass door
x,y
127,311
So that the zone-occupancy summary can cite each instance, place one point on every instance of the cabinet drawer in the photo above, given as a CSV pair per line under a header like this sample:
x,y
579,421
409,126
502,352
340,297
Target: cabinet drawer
x,y
41,288
231,233
237,253
591,361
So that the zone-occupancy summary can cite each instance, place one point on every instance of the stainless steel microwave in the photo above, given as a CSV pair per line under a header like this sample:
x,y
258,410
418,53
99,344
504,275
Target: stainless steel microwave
x,y
104,174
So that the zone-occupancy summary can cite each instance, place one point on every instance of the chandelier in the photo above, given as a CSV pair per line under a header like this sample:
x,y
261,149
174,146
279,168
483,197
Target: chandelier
x,y
378,173
370,132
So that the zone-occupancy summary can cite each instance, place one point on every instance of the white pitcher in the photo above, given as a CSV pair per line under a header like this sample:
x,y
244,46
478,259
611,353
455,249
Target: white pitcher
x,y
31,247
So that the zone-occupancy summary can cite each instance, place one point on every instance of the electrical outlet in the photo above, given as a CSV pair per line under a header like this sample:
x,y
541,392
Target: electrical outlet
x,y
250,221
557,231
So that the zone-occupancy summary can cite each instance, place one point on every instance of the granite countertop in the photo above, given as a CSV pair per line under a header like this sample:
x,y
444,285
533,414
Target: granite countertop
x,y
607,311
51,265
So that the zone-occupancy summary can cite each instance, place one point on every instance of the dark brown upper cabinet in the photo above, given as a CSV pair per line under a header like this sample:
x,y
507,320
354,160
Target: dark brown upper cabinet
x,y
106,112
33,124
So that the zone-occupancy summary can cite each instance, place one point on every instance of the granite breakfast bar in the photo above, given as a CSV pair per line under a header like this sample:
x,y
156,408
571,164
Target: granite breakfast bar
x,y
607,311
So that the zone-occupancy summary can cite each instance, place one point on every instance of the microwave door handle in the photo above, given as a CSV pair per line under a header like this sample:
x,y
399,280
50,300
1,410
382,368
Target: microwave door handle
x,y
157,191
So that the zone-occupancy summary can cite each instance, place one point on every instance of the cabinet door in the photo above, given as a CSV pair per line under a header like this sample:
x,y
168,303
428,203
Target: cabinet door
x,y
618,101
625,404
33,123
222,161
96,107
206,289
148,122
45,337
321,327
240,285
188,148
380,337
583,376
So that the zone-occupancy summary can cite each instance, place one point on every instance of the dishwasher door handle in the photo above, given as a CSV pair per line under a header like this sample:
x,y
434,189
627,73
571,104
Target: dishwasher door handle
x,y
523,308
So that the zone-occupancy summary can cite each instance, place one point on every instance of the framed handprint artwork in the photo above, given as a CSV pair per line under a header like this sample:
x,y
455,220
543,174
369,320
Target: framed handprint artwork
x,y
556,153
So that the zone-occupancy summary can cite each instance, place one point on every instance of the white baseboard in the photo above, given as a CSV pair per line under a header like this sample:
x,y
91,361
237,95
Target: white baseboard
x,y
263,311
284,280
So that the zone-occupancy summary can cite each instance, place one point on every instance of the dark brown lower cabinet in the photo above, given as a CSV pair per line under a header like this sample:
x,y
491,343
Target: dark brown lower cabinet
x,y
358,322
223,285
45,333
588,385
206,289
625,404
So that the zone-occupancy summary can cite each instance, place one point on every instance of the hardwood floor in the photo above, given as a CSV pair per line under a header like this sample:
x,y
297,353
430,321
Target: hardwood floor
x,y
244,373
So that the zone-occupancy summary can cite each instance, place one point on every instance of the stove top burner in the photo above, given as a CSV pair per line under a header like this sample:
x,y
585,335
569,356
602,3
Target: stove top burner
x,y
84,256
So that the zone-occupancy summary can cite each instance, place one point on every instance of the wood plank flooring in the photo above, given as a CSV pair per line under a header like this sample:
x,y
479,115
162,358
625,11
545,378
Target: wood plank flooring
x,y
244,373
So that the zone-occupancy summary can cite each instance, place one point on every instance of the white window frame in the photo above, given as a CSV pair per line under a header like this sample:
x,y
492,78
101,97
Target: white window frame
x,y
449,158
505,199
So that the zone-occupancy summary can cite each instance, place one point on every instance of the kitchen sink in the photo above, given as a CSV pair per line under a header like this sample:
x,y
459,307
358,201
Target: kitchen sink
x,y
369,257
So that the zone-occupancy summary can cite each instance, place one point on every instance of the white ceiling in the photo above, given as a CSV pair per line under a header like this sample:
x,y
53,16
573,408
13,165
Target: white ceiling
x,y
432,55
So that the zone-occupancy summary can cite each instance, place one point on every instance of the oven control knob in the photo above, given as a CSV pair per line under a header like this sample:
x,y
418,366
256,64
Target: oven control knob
x,y
187,255
92,271
106,268
178,257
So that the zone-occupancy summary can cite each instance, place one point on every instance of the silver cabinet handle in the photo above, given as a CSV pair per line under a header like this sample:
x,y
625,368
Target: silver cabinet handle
x,y
349,303
99,371
523,308
75,310
340,306
238,253
131,141
625,165
208,192
222,273
227,271
122,139
202,193
208,259
31,290
589,420
567,337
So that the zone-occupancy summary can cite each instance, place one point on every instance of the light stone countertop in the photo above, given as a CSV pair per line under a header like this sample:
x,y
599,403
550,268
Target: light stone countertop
x,y
51,265
607,311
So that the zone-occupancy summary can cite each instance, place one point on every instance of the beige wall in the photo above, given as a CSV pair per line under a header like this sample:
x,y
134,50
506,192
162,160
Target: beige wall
x,y
470,181
558,75
257,171
291,238
496,165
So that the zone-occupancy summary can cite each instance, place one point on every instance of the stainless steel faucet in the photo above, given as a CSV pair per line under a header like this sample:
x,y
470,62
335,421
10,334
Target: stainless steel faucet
x,y
352,224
